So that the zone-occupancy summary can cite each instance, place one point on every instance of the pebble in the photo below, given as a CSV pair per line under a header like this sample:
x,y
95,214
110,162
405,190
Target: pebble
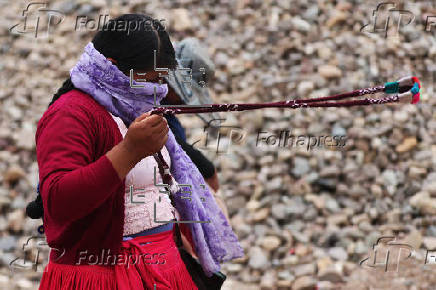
x,y
304,270
7,243
304,283
329,71
270,243
333,273
305,88
416,172
401,116
261,214
407,145
279,211
338,253
258,259
413,239
423,202
14,174
300,24
269,279
429,243
181,19
301,166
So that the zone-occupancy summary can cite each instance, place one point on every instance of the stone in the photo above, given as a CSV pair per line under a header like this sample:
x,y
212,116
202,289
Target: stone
x,y
305,88
390,177
278,211
339,131
301,166
258,258
337,18
323,263
376,190
423,202
318,201
24,284
7,258
181,19
337,219
268,280
413,239
325,285
304,283
300,24
431,231
302,250
16,220
261,214
324,52
270,243
304,270
429,243
25,137
401,116
7,243
234,268
221,59
332,273
18,202
332,205
285,275
329,71
407,145
430,188
13,174
338,253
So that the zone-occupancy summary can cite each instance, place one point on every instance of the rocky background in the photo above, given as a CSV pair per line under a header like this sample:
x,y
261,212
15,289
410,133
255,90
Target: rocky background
x,y
305,218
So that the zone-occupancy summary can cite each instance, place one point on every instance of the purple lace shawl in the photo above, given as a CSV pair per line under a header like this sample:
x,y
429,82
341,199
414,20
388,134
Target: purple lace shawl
x,y
214,242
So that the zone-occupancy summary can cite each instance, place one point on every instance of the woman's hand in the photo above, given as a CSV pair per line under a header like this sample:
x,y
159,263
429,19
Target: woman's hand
x,y
146,135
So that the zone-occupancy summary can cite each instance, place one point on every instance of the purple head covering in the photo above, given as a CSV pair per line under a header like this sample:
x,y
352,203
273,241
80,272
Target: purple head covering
x,y
214,242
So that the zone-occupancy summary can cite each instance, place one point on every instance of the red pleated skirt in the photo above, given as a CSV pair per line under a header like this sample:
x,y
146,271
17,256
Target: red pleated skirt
x,y
146,261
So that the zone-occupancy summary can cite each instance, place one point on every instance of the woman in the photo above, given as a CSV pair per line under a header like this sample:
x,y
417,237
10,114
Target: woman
x,y
97,186
194,56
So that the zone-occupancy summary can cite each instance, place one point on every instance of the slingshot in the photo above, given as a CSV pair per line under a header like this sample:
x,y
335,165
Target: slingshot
x,y
405,90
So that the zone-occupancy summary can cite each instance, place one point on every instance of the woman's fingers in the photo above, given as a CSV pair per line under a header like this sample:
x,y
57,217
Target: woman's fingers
x,y
142,116
162,133
165,139
162,136
157,129
153,120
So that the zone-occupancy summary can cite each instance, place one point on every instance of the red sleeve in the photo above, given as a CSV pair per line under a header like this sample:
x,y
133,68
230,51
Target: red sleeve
x,y
72,184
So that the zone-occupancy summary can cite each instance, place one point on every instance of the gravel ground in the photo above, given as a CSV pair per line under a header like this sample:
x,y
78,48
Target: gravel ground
x,y
305,217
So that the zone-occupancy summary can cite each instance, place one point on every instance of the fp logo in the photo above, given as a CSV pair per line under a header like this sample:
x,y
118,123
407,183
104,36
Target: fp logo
x,y
389,16
37,19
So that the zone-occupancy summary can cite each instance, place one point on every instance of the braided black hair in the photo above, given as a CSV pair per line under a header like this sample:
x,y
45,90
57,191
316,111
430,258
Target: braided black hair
x,y
131,49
